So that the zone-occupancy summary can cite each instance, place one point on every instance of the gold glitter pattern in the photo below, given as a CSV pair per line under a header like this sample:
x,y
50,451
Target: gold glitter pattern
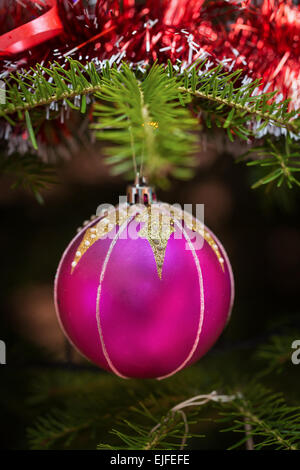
x,y
153,124
196,226
158,225
108,223
88,240
157,230
214,247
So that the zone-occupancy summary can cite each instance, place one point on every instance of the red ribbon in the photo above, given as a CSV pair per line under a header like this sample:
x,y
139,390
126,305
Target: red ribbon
x,y
31,34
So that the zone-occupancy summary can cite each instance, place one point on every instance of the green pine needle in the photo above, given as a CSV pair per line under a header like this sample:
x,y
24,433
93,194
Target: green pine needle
x,y
29,173
271,423
143,118
151,116
278,161
30,130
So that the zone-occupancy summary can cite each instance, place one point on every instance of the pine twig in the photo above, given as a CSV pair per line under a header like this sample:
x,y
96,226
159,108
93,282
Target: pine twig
x,y
149,114
268,418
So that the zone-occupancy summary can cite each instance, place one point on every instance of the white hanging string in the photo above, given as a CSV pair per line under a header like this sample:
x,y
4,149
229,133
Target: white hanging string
x,y
198,400
133,151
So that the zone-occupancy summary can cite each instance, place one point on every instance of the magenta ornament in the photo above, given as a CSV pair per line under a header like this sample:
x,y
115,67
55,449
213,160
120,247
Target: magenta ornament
x,y
144,291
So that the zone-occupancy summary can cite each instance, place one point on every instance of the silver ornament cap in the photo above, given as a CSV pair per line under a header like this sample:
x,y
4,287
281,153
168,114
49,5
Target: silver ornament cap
x,y
140,192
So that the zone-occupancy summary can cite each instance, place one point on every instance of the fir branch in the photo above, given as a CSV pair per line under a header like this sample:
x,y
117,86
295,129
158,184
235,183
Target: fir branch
x,y
262,417
235,106
45,85
281,160
169,433
270,421
138,437
29,173
145,118
42,86
148,115
82,406
168,426
56,427
277,353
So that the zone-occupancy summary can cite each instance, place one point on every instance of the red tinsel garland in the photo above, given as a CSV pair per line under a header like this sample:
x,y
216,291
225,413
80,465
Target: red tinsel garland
x,y
265,42
261,37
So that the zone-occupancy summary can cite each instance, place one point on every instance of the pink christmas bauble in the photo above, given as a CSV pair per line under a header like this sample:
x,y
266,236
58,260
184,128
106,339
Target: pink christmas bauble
x,y
144,291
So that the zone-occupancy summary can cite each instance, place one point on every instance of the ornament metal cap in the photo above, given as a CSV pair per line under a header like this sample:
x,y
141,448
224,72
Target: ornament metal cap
x,y
140,192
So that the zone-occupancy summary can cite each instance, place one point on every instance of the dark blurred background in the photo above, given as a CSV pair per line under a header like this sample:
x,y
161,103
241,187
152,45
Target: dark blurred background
x,y
259,229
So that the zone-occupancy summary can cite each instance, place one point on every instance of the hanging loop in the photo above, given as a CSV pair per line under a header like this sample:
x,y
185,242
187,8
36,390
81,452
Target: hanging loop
x,y
140,192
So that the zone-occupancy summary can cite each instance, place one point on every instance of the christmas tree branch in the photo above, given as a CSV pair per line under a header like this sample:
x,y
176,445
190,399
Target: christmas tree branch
x,y
159,415
150,115
83,405
169,436
45,85
281,160
270,421
276,354
51,430
250,112
29,173
237,102
144,118
258,413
